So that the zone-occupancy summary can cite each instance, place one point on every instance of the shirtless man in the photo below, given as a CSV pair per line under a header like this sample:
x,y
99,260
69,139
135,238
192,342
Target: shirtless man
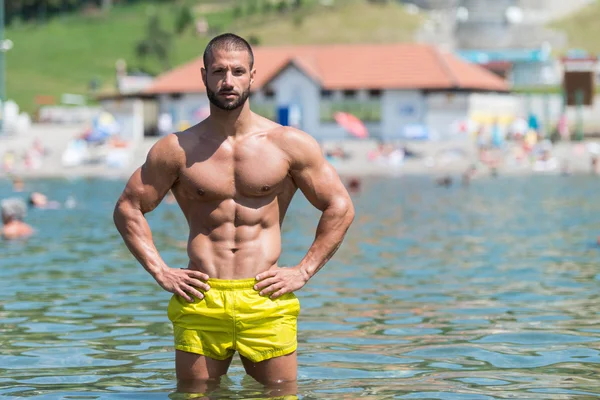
x,y
13,214
234,175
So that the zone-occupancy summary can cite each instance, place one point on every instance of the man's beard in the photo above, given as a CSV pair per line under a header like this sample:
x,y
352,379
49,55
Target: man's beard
x,y
226,105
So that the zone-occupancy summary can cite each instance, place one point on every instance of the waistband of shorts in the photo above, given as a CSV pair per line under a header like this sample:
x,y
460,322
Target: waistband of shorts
x,y
234,284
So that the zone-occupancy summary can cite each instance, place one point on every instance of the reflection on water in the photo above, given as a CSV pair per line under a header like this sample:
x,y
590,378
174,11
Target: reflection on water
x,y
487,292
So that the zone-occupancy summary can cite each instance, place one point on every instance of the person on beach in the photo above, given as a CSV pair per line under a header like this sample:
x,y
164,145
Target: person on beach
x,y
13,214
234,175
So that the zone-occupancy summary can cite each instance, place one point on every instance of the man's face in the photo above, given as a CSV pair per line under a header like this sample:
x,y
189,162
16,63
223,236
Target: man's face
x,y
228,78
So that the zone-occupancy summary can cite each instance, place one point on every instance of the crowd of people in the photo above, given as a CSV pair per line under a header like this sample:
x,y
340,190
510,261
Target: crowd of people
x,y
31,158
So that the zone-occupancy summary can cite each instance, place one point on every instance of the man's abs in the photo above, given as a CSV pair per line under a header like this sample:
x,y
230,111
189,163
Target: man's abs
x,y
230,252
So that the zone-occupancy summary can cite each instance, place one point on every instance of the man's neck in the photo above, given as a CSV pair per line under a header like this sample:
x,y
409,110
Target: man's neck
x,y
231,123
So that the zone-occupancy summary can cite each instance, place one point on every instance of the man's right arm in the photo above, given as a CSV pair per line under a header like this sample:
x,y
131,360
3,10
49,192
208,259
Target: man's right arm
x,y
143,193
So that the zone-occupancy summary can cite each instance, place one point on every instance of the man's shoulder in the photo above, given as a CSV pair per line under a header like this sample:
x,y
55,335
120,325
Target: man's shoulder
x,y
179,141
168,149
290,137
300,147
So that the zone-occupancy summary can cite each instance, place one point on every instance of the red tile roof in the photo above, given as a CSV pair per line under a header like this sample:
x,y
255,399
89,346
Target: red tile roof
x,y
381,66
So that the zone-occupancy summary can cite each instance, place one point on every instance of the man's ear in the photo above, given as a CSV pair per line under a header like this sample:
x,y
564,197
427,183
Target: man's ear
x,y
203,75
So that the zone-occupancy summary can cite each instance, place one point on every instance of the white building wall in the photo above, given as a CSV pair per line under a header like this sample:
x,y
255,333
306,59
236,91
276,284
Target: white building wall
x,y
444,111
293,88
399,109
185,110
129,114
494,103
548,108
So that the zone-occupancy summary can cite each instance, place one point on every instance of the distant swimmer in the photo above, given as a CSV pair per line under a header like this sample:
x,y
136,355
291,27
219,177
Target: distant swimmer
x,y
445,181
39,200
13,214
354,185
233,176
18,184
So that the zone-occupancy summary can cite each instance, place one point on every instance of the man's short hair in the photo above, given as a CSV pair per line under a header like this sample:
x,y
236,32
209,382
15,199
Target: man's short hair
x,y
229,42
13,209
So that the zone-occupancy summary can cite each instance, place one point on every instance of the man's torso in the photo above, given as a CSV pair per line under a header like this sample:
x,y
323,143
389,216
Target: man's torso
x,y
234,194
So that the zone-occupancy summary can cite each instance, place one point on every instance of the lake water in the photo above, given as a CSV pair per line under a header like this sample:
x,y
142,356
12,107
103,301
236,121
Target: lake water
x,y
486,292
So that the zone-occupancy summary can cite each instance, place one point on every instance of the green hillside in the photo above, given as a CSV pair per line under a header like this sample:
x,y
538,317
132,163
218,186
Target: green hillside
x,y
353,22
67,53
582,28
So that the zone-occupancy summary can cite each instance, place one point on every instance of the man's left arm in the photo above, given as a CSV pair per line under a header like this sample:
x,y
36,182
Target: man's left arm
x,y
321,185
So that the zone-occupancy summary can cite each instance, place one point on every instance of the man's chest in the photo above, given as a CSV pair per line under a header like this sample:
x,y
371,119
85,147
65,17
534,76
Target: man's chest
x,y
247,172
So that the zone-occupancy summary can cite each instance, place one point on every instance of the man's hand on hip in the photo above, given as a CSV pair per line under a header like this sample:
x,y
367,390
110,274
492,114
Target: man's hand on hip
x,y
278,281
183,282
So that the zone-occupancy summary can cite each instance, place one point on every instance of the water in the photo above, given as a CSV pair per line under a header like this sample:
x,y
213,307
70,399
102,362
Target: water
x,y
489,292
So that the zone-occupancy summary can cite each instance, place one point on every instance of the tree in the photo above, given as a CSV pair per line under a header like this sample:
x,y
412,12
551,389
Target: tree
x,y
185,18
267,6
157,43
252,7
282,6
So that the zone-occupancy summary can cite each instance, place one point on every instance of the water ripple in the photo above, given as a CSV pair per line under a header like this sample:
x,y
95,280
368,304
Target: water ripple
x,y
488,292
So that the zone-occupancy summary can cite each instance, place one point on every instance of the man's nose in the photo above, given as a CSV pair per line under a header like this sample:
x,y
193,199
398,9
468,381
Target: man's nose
x,y
228,80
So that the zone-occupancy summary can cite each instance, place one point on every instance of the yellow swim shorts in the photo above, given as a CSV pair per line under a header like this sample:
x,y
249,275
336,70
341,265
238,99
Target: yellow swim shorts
x,y
233,316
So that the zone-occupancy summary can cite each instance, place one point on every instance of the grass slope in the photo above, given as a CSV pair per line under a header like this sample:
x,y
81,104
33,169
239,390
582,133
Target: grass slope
x,y
582,28
350,22
65,54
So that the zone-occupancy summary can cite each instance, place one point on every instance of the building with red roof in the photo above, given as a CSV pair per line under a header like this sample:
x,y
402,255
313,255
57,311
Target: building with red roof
x,y
388,86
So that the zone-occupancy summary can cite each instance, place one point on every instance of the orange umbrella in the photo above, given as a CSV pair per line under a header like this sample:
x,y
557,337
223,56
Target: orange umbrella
x,y
352,124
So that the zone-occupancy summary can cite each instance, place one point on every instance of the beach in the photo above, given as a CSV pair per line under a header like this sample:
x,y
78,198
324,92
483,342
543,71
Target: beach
x,y
437,158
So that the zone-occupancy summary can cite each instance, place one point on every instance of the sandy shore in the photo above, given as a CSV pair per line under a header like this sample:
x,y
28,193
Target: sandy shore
x,y
434,158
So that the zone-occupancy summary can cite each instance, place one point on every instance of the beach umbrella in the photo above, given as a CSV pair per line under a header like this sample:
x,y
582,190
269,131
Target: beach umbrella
x,y
104,126
352,124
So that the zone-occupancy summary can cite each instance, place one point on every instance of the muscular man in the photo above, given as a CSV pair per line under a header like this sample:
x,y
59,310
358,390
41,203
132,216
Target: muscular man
x,y
234,175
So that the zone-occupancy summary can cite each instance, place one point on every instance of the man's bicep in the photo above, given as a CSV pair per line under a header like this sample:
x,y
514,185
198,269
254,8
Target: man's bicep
x,y
150,183
320,183
314,176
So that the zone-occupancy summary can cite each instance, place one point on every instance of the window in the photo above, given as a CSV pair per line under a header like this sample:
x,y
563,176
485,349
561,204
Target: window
x,y
269,93
349,94
375,93
326,94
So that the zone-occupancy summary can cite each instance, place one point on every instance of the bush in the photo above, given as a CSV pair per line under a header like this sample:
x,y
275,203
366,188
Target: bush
x,y
298,20
185,18
237,11
282,6
252,7
254,40
267,6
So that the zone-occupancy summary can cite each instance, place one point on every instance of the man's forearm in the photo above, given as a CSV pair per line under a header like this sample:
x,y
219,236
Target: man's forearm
x,y
136,233
332,228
